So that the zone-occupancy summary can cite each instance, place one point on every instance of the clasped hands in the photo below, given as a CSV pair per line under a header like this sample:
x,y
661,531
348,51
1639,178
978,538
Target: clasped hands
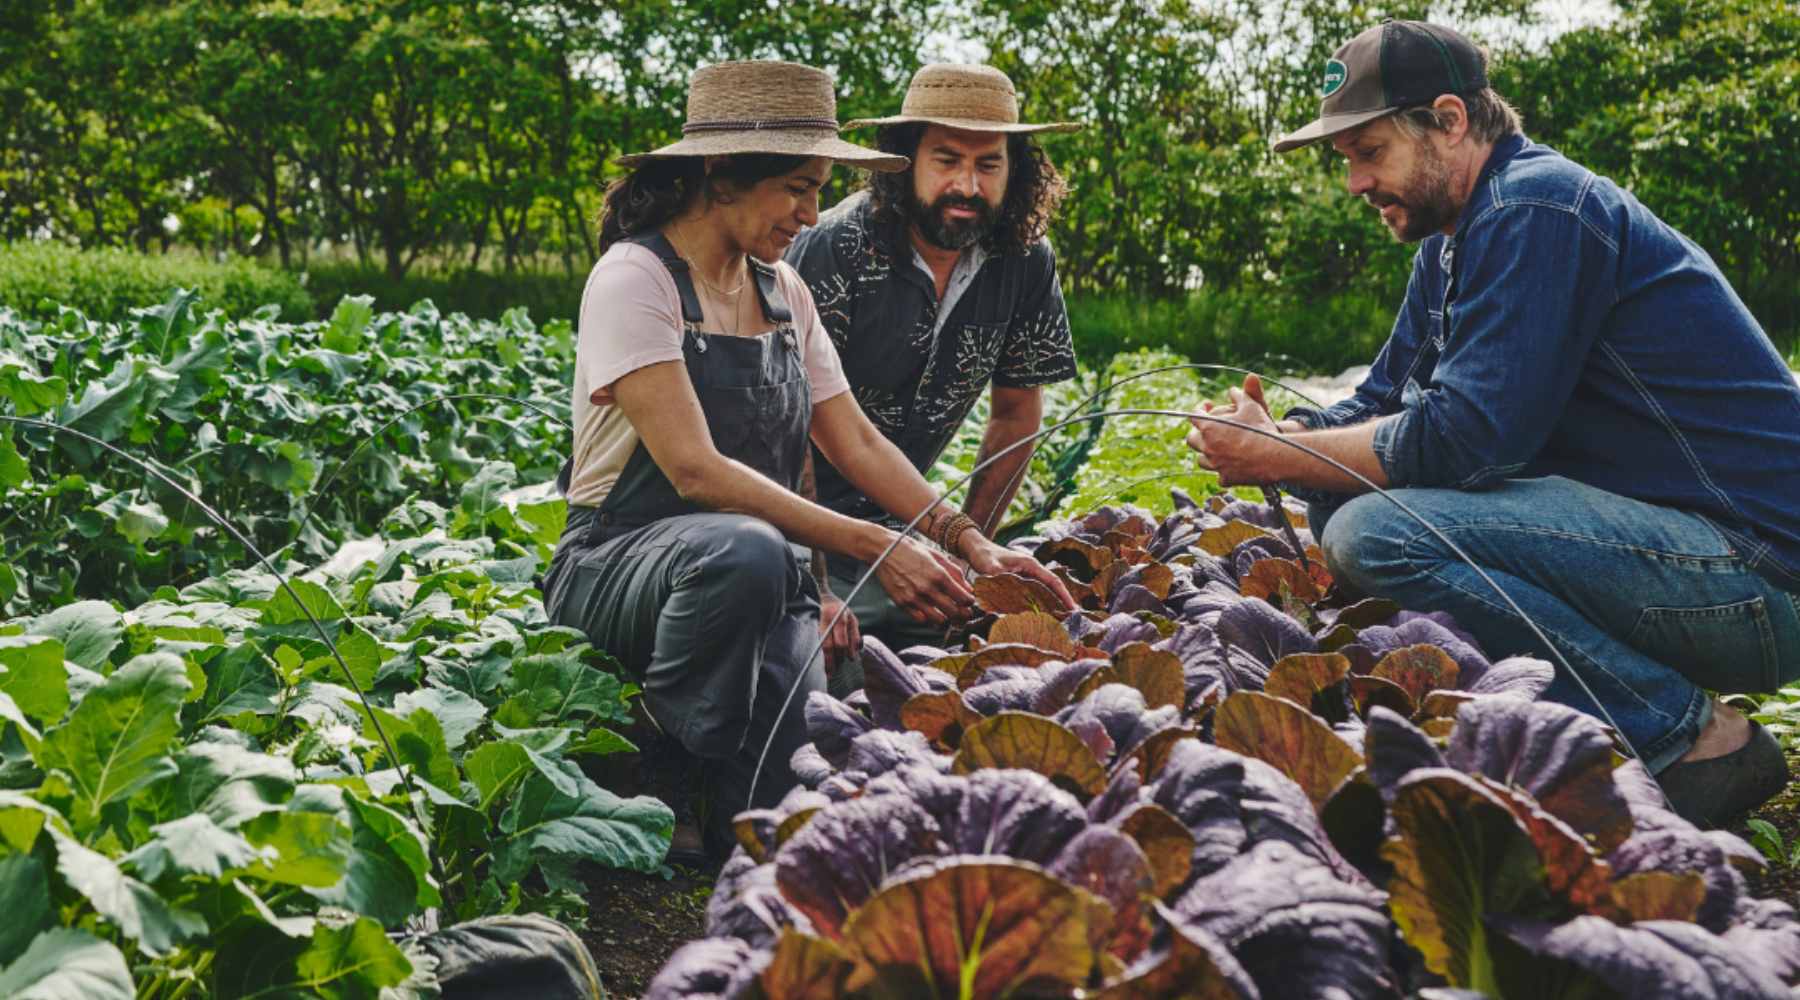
x,y
1240,457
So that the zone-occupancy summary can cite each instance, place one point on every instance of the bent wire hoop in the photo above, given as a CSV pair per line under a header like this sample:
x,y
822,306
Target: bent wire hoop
x,y
1455,549
387,744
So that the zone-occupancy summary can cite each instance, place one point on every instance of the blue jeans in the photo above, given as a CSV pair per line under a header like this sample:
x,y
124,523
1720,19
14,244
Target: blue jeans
x,y
1651,606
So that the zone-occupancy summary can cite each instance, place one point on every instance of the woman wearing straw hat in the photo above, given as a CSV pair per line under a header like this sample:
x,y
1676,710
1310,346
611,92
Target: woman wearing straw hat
x,y
935,283
701,374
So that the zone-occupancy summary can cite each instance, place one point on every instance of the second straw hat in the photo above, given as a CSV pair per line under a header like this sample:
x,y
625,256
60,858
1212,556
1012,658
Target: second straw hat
x,y
959,95
764,106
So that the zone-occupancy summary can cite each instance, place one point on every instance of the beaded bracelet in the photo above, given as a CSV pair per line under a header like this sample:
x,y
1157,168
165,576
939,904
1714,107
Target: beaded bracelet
x,y
949,529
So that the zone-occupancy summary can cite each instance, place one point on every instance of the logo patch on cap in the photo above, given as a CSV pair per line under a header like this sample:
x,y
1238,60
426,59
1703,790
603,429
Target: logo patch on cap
x,y
1336,75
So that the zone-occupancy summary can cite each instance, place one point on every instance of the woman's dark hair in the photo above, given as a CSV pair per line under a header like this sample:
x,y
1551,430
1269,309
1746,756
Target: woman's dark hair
x,y
1034,189
656,191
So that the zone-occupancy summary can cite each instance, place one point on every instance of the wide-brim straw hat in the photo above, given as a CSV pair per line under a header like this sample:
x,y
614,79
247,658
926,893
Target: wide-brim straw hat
x,y
764,106
958,95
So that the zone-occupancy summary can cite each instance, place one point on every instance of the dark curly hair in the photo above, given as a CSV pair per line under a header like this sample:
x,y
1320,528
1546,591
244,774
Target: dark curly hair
x,y
1034,189
656,191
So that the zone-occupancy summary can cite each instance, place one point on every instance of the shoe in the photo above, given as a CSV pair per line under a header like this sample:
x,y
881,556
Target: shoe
x,y
1707,793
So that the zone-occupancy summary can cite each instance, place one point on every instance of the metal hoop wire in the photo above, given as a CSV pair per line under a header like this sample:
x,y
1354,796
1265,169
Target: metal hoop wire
x,y
1019,476
319,490
219,519
1454,548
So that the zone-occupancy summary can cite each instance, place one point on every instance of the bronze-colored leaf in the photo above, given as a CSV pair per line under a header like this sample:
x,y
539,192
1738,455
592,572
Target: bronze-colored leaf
x,y
1369,611
1010,593
1438,729
1303,677
1572,869
1369,692
1274,580
1193,966
1034,743
1221,540
1155,672
941,715
1157,579
1150,755
1000,654
1084,558
1108,578
1337,637
1166,842
1287,737
793,824
1443,704
1419,669
978,928
755,833
1034,628
1653,896
810,968
1095,681
1080,590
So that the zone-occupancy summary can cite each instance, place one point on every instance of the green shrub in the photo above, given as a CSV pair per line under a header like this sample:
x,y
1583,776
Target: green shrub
x,y
37,277
546,295
1264,330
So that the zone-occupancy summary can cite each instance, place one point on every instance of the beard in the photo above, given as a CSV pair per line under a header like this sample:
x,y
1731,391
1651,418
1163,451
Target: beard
x,y
1424,199
946,233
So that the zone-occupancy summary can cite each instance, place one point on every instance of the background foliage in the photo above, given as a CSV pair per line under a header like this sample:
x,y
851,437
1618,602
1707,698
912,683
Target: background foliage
x,y
413,148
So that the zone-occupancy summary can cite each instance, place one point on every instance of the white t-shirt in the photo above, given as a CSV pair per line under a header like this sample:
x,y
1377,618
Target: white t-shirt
x,y
631,318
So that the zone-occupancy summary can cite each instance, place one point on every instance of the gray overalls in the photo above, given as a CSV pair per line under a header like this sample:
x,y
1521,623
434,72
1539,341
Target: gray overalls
x,y
711,612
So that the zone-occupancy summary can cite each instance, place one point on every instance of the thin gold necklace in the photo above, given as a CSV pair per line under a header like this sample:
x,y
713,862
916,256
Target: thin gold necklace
x,y
736,294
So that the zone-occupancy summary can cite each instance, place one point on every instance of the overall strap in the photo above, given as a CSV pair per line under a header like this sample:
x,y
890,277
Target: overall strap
x,y
658,244
774,303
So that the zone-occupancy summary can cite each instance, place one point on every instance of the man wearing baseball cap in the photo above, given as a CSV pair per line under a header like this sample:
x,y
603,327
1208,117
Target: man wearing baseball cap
x,y
936,284
1575,396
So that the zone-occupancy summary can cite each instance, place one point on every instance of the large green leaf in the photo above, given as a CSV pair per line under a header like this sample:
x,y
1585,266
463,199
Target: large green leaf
x,y
495,767
239,680
354,961
67,964
132,906
312,848
557,688
23,817
388,875
108,408
457,713
26,890
349,324
284,610
191,845
89,631
117,740
30,392
593,824
229,783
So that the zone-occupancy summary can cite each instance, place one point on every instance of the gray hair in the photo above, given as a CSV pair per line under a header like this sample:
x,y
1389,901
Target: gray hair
x,y
1490,118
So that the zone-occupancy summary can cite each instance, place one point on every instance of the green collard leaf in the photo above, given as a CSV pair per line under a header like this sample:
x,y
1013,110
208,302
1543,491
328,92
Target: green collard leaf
x,y
349,326
132,906
600,741
351,961
26,889
9,712
23,817
14,470
495,767
388,876
88,630
108,408
481,495
285,606
30,392
361,653
239,680
312,849
191,845
457,713
593,824
558,688
138,522
117,739
229,783
67,964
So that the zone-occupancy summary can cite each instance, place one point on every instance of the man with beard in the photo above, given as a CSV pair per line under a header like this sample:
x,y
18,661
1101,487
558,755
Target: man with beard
x,y
1573,394
935,283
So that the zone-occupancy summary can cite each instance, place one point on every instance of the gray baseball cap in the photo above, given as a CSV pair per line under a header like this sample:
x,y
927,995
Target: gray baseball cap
x,y
1394,65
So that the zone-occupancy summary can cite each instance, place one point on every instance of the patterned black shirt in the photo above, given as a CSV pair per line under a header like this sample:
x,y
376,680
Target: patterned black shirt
x,y
916,381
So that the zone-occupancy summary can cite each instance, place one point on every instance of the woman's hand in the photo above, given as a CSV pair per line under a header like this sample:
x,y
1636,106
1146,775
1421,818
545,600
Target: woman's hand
x,y
925,583
843,640
988,558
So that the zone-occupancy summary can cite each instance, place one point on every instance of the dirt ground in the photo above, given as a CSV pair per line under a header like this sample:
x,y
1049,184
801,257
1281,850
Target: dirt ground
x,y
1779,880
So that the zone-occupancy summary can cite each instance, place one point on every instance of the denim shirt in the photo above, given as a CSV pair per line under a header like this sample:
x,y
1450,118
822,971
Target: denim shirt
x,y
1565,330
